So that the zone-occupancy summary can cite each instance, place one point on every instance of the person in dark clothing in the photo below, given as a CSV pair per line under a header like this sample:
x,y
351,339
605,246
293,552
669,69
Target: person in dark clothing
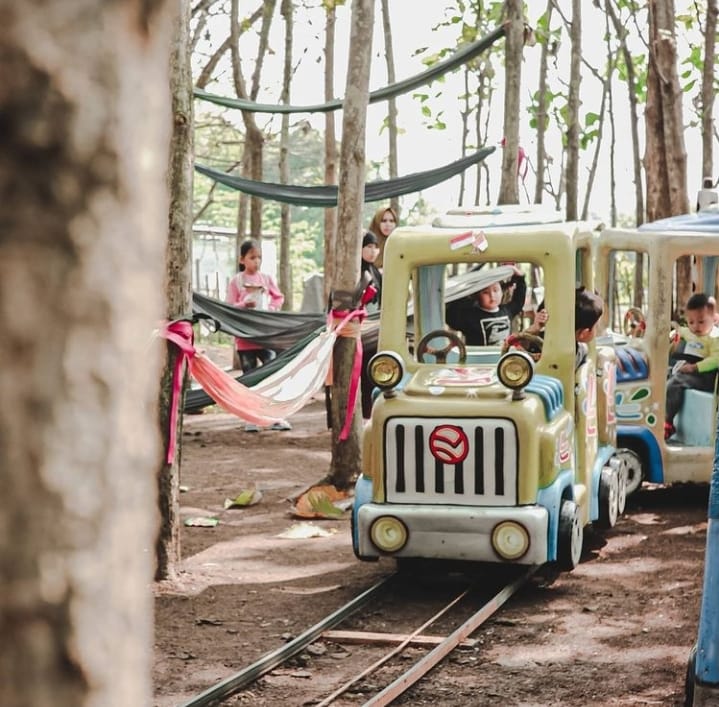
x,y
370,253
482,317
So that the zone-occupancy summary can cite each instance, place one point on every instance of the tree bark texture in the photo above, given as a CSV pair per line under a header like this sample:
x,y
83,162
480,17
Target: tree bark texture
x,y
514,42
621,33
285,275
254,138
708,91
178,281
665,159
346,454
391,103
86,122
330,215
573,100
542,102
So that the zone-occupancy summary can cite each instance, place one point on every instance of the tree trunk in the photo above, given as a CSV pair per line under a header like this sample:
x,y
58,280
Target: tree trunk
x,y
178,283
285,274
330,214
575,77
514,18
708,91
665,157
391,103
621,34
81,272
254,139
346,454
542,103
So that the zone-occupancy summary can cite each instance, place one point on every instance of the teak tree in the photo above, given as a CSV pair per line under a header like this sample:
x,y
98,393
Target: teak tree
x,y
346,453
86,118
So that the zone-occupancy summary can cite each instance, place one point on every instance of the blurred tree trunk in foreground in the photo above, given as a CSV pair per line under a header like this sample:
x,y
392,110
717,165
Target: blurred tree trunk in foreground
x,y
86,117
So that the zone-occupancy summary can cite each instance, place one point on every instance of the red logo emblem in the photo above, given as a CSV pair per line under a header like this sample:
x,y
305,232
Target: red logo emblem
x,y
449,444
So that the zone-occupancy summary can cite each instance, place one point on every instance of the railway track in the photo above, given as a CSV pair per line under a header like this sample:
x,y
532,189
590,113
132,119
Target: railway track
x,y
456,610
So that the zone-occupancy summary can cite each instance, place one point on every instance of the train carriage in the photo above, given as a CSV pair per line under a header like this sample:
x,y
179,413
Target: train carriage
x,y
639,274
486,453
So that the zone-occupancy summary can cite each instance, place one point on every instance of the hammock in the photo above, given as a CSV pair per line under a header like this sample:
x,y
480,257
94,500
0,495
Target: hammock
x,y
279,395
197,398
459,58
326,196
268,330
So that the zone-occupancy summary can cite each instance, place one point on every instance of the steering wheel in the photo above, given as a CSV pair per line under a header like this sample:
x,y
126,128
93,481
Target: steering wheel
x,y
454,342
530,343
634,323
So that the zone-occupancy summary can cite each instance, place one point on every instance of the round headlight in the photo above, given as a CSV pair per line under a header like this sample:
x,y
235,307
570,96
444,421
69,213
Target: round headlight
x,y
389,534
515,369
385,369
510,540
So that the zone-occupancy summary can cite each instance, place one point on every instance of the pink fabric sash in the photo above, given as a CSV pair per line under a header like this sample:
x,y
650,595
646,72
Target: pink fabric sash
x,y
277,396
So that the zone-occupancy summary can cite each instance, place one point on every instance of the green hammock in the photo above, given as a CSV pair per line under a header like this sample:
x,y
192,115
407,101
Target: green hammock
x,y
457,59
326,196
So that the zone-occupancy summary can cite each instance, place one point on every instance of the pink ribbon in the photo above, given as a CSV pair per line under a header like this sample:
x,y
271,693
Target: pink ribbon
x,y
181,334
358,314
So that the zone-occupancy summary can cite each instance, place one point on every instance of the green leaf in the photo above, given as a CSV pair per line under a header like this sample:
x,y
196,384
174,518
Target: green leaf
x,y
248,497
320,503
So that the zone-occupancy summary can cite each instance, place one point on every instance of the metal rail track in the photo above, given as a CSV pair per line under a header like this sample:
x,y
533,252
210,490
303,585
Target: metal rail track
x,y
228,687
248,675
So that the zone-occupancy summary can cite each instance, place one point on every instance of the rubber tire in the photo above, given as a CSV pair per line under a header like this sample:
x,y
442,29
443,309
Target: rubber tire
x,y
622,499
608,498
634,468
570,536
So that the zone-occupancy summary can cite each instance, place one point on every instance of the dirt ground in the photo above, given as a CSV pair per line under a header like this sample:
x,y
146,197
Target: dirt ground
x,y
616,631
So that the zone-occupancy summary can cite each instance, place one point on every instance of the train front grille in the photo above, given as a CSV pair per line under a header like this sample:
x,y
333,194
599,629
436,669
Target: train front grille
x,y
461,461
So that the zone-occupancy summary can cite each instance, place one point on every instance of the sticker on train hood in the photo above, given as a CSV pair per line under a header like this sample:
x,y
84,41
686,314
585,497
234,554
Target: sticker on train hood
x,y
449,444
564,450
462,376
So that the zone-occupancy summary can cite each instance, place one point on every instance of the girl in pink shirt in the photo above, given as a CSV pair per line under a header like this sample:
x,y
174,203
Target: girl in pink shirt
x,y
253,289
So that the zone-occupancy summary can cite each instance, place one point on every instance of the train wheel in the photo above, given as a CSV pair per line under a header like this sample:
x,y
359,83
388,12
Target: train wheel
x,y
608,497
570,536
622,474
633,466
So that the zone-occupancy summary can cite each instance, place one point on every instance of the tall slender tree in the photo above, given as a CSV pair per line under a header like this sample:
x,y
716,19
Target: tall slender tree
x,y
542,115
665,158
285,275
629,68
708,91
392,102
514,20
346,453
252,165
573,102
178,284
81,260
330,214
